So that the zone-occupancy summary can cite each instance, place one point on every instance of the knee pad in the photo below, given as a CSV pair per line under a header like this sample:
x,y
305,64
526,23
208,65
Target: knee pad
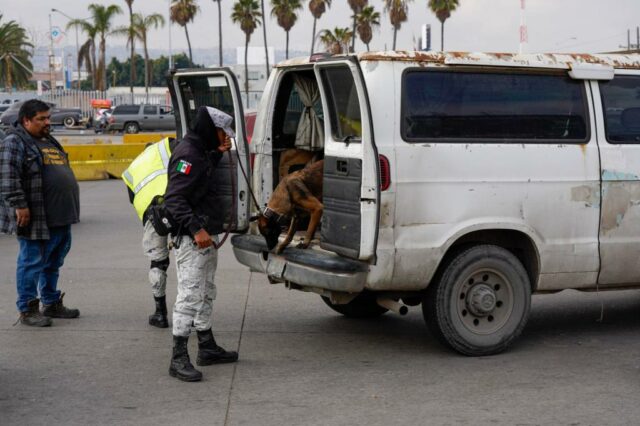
x,y
160,264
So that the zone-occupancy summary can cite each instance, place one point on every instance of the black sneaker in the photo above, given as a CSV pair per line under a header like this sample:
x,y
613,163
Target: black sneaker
x,y
32,317
58,310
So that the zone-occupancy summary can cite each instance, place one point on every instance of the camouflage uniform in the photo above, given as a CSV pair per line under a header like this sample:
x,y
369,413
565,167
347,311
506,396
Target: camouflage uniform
x,y
155,248
196,289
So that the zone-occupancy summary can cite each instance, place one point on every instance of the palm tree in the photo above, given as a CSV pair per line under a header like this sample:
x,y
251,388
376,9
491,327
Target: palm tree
x,y
264,38
336,41
442,9
356,6
183,12
285,11
247,14
219,29
367,18
131,37
397,10
15,56
101,27
317,8
141,27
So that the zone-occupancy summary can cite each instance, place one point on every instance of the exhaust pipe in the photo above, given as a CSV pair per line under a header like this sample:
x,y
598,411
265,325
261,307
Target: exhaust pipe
x,y
392,305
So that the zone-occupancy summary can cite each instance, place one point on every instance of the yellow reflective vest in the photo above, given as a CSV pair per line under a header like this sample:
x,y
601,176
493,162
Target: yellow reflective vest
x,y
146,176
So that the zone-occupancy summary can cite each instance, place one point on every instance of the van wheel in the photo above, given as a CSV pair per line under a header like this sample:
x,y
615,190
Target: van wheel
x,y
69,122
131,127
363,306
481,301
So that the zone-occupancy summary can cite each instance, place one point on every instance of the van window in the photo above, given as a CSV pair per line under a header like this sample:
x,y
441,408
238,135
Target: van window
x,y
492,107
149,109
621,105
344,107
199,90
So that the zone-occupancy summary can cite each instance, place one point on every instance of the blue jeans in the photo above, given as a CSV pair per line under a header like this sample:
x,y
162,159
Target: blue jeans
x,y
39,263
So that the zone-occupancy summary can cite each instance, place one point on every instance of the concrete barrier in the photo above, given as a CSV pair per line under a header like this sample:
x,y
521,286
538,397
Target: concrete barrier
x,y
98,162
145,138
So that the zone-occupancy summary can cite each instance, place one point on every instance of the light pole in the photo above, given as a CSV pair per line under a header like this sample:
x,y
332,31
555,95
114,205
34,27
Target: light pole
x,y
52,83
77,43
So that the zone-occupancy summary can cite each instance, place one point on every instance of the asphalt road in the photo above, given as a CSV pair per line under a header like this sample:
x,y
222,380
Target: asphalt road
x,y
300,363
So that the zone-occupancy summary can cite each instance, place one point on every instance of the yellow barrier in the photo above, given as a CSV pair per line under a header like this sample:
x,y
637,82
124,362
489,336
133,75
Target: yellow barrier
x,y
97,162
145,137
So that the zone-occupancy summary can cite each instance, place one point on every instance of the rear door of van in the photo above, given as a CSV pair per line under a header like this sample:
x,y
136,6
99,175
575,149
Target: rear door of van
x,y
351,194
218,88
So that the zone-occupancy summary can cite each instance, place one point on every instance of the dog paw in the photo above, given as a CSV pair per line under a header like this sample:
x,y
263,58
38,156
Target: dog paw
x,y
302,245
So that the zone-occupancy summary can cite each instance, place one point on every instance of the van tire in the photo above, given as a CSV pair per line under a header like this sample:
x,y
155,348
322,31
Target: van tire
x,y
131,127
480,302
363,306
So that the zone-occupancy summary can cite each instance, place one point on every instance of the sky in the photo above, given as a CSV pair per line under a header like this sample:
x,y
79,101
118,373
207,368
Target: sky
x,y
588,26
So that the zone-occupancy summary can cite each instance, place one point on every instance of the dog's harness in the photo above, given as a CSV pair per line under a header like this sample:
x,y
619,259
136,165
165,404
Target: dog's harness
x,y
280,219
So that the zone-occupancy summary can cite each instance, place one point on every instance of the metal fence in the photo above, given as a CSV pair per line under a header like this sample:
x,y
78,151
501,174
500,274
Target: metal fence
x,y
73,98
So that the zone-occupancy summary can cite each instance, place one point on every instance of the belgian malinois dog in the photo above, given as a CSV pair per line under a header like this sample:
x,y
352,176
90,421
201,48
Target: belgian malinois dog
x,y
297,194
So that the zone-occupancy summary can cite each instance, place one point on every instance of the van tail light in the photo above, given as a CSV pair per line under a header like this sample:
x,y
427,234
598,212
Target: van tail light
x,y
385,173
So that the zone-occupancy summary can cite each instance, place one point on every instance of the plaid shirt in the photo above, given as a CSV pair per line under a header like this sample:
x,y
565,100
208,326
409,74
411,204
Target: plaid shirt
x,y
21,183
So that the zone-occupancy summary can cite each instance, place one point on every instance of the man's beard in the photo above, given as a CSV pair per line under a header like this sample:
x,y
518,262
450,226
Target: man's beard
x,y
45,131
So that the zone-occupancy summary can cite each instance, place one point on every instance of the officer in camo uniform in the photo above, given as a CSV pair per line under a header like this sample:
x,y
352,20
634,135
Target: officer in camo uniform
x,y
191,200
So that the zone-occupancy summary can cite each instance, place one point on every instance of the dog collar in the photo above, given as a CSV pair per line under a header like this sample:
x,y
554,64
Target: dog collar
x,y
280,219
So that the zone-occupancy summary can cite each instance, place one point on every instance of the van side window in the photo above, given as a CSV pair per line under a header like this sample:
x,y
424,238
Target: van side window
x,y
344,107
492,107
621,105
149,109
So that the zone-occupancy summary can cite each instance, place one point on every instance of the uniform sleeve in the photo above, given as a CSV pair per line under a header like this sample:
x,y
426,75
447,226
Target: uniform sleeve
x,y
180,186
11,159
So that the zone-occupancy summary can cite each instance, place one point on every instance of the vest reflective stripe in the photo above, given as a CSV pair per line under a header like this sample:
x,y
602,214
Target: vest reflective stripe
x,y
148,179
146,176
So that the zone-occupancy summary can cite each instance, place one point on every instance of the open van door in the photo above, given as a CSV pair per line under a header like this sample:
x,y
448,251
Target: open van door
x,y
350,193
218,88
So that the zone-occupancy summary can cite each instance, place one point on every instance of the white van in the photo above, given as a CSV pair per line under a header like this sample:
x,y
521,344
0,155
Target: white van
x,y
463,182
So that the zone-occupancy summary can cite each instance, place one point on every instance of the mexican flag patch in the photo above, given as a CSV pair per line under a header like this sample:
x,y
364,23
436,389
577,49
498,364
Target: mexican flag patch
x,y
184,167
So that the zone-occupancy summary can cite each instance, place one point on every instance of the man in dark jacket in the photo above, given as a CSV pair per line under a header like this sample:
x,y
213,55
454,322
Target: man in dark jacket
x,y
39,200
191,200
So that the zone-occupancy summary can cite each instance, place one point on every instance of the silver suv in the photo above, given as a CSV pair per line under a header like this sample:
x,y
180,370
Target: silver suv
x,y
133,118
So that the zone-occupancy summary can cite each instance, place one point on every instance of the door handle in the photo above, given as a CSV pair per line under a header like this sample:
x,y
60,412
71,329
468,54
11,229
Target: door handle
x,y
145,117
342,167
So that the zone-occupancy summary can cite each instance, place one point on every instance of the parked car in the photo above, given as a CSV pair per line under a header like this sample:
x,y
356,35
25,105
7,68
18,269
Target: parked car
x,y
464,183
69,117
133,118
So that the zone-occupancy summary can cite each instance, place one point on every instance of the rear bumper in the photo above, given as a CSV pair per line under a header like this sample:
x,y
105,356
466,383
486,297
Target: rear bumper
x,y
308,268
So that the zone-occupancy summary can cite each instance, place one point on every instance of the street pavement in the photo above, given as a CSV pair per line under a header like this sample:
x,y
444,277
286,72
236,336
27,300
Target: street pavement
x,y
300,362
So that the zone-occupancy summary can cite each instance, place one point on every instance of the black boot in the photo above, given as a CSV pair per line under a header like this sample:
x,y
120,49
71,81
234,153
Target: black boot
x,y
210,353
159,317
58,310
181,367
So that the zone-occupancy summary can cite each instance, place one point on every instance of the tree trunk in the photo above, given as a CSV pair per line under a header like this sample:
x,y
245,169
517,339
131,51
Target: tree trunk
x,y
313,36
264,35
395,33
146,72
286,51
189,44
8,82
246,70
220,31
442,36
94,74
353,32
102,77
132,71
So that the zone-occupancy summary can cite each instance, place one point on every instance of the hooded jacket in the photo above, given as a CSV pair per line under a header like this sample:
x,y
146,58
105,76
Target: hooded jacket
x,y
191,196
